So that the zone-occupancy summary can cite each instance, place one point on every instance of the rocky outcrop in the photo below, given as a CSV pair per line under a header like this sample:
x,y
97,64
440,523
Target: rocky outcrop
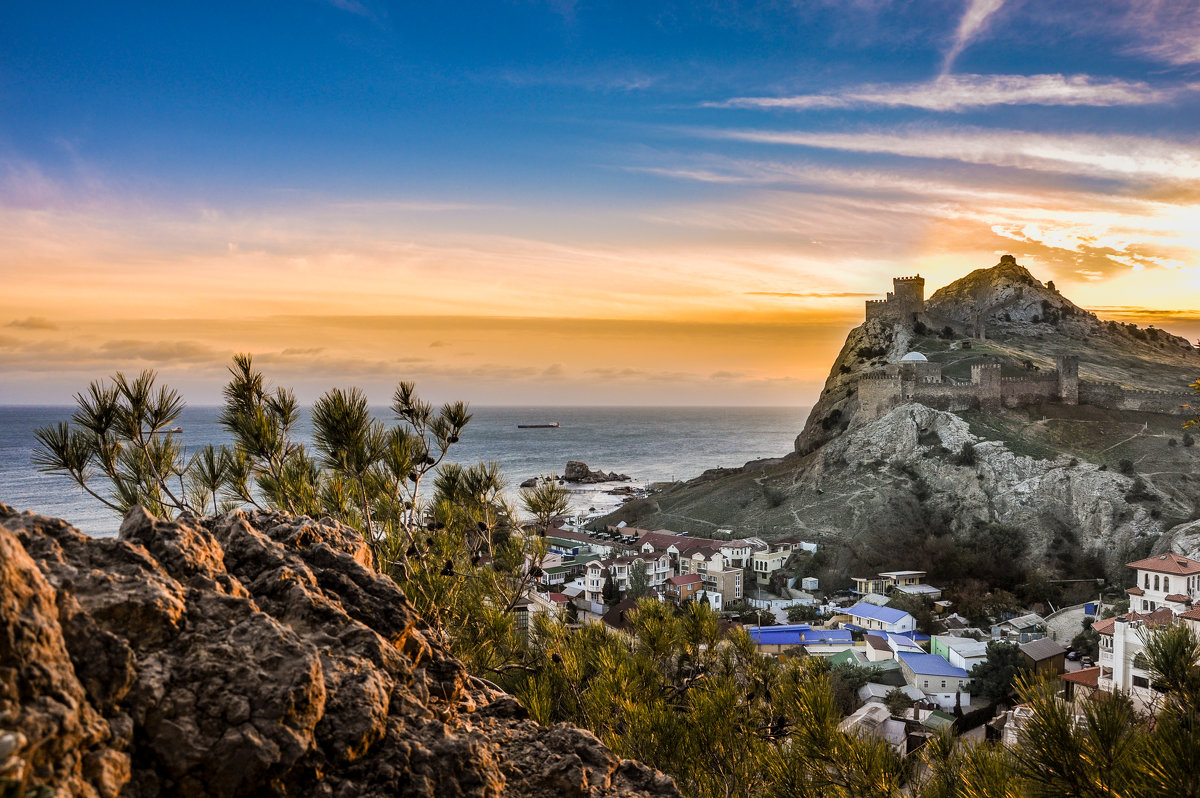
x,y
578,472
1027,325
254,654
1183,539
912,462
869,346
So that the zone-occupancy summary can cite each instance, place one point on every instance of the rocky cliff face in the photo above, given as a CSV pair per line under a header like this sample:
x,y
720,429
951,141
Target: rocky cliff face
x,y
1012,319
254,654
910,463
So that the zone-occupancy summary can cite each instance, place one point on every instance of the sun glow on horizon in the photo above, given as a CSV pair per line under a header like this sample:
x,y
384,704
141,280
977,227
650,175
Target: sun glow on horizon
x,y
607,221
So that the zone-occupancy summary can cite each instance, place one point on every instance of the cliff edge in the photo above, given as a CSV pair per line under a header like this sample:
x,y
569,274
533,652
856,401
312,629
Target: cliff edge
x,y
254,654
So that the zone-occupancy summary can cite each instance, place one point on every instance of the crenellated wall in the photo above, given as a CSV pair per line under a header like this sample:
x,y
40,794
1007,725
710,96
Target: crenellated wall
x,y
879,392
1107,394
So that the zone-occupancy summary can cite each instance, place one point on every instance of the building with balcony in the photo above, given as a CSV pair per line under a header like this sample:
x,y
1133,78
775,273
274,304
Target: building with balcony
x,y
910,582
658,570
1122,645
1164,580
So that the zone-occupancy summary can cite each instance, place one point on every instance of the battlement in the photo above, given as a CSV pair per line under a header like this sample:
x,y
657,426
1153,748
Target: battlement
x,y
881,302
916,278
1036,379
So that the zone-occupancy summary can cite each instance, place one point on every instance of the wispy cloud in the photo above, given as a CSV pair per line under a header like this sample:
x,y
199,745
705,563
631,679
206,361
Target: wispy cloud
x,y
962,92
973,23
34,323
1126,156
1167,30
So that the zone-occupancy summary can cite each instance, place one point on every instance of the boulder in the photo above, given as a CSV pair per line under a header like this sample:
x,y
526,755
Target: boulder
x,y
578,472
253,654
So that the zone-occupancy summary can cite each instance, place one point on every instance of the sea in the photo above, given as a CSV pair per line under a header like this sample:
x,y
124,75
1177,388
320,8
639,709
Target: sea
x,y
650,444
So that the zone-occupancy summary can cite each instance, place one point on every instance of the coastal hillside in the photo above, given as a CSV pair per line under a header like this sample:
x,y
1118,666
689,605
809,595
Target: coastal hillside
x,y
995,401
254,654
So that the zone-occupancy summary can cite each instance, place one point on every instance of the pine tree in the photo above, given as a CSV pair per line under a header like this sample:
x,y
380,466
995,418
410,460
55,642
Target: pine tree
x,y
609,592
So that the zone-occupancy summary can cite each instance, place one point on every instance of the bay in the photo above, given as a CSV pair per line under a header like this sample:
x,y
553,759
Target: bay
x,y
650,444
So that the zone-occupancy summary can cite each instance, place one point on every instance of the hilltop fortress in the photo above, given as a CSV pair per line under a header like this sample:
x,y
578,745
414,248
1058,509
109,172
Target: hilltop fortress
x,y
915,379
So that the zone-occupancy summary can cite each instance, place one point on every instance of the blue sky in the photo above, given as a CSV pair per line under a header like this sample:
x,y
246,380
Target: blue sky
x,y
674,162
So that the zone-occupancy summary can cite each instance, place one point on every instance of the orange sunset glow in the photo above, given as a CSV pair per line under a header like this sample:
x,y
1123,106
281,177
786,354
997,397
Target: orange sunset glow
x,y
597,227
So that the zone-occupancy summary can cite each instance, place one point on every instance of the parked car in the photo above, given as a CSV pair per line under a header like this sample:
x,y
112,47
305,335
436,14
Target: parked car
x,y
1072,655
1086,662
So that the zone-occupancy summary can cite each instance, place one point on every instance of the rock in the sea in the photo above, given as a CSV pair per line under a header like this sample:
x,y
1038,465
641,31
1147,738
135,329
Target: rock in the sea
x,y
579,473
254,654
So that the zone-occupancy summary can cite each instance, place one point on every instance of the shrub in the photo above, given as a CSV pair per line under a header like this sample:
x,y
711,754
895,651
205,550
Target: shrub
x,y
1139,492
1125,465
965,456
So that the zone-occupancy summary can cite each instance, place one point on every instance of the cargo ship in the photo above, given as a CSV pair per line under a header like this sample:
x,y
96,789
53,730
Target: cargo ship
x,y
551,425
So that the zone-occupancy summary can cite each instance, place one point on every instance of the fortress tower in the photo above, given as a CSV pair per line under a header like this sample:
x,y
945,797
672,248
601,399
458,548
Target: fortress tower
x,y
909,294
904,302
1068,379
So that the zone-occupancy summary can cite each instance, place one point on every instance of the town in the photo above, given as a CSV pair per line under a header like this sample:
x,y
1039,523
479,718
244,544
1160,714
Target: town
x,y
921,677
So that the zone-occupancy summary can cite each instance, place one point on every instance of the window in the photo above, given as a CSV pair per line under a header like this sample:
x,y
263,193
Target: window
x,y
1145,604
1166,584
1156,581
1141,681
926,682
943,682
1147,584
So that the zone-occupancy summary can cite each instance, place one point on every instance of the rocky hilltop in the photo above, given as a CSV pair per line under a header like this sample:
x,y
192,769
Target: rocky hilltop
x,y
254,654
1099,478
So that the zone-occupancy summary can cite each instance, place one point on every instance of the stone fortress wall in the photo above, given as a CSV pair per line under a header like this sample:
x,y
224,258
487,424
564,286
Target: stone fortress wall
x,y
915,379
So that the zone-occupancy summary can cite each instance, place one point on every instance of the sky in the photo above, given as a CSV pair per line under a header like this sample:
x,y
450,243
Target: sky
x,y
556,202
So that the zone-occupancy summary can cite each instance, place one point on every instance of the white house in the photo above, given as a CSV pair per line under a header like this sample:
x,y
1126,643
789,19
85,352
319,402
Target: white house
x,y
658,570
765,563
942,682
886,619
1165,580
1121,661
961,652
910,582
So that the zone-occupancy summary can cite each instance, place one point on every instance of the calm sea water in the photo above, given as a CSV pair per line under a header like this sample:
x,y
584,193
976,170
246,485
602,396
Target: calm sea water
x,y
649,444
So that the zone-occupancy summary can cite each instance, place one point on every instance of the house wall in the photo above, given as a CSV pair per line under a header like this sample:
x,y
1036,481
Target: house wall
x,y
942,689
1053,666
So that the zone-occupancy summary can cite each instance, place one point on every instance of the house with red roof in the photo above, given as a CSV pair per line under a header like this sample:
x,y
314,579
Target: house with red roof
x,y
1165,580
685,587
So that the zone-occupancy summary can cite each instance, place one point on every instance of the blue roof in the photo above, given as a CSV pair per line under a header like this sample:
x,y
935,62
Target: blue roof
x,y
930,665
797,635
902,640
882,614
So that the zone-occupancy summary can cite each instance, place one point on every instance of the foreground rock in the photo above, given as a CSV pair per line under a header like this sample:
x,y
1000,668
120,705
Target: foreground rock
x,y
578,472
254,654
